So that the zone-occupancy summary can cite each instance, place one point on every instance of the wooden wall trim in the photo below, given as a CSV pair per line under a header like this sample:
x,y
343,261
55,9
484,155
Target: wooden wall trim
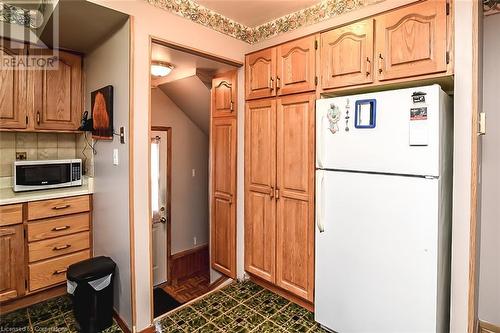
x,y
131,173
475,157
485,327
119,320
189,262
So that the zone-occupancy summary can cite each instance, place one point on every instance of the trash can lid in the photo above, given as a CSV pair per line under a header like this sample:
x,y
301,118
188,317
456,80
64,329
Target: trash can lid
x,y
91,269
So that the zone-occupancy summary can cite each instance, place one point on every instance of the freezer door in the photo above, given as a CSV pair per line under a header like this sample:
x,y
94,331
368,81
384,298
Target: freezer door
x,y
387,132
376,253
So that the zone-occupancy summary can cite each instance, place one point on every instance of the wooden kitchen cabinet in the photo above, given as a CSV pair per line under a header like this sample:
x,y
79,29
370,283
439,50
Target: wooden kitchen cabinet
x,y
282,70
260,179
13,88
12,261
295,194
412,41
347,55
260,74
296,70
223,225
224,94
57,92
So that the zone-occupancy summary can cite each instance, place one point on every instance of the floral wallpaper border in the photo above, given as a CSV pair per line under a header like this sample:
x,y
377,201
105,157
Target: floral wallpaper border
x,y
195,12
30,18
491,7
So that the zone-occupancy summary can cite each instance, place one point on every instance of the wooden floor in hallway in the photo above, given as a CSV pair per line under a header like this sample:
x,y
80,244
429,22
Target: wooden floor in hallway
x,y
192,287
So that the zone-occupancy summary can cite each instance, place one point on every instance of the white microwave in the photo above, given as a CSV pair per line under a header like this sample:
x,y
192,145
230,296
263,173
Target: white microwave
x,y
46,174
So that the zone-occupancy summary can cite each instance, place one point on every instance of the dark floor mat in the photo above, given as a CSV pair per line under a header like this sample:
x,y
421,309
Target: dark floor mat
x,y
163,302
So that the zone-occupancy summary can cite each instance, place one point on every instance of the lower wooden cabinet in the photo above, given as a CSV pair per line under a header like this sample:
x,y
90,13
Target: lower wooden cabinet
x,y
279,192
38,241
12,262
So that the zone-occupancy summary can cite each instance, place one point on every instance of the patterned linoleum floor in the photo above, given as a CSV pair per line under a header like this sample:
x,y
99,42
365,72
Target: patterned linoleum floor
x,y
240,307
52,316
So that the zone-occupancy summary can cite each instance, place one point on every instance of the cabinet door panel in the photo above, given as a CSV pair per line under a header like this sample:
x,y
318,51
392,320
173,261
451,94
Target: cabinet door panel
x,y
57,93
296,66
13,92
260,177
224,90
260,74
223,225
346,55
295,204
12,259
412,41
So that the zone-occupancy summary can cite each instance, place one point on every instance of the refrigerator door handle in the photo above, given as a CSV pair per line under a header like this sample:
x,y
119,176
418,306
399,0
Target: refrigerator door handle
x,y
321,204
321,141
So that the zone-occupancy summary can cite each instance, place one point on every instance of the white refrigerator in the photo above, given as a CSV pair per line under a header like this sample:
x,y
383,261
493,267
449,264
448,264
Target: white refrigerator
x,y
383,198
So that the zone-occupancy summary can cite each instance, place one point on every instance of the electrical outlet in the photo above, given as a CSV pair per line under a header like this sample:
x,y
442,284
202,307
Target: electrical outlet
x,y
21,155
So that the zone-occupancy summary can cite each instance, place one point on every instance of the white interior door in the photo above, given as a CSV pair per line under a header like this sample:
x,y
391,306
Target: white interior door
x,y
159,204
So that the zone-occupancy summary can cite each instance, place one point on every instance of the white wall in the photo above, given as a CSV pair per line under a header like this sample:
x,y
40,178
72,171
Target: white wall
x,y
109,65
489,277
189,194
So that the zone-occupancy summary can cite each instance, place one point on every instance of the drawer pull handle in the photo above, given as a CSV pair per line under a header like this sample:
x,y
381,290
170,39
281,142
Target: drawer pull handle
x,y
61,228
61,207
62,247
60,271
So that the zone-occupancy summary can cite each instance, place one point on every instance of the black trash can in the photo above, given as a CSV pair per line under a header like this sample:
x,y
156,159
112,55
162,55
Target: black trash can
x,y
90,284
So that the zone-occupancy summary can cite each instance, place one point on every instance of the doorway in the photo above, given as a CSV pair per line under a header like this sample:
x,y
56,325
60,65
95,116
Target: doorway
x,y
193,146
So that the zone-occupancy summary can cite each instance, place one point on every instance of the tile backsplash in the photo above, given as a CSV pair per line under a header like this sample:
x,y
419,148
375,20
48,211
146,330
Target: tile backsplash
x,y
38,146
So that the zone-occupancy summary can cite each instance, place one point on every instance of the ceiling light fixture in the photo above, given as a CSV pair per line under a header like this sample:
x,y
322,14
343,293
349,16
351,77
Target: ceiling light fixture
x,y
160,68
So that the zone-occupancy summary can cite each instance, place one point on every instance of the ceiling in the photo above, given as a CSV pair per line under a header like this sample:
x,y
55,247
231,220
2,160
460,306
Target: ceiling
x,y
252,13
185,64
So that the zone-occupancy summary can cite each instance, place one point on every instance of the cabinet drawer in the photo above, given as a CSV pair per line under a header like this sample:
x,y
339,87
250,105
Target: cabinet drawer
x,y
11,214
58,226
57,207
53,271
58,246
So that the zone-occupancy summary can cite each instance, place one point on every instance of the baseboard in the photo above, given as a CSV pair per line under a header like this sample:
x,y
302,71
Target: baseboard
x,y
277,290
31,299
485,327
150,329
189,262
119,320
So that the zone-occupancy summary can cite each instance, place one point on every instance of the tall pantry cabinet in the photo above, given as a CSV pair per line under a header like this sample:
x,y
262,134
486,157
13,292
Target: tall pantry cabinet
x,y
279,166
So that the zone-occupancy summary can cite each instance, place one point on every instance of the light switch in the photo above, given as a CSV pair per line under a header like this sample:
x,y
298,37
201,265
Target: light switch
x,y
193,172
115,157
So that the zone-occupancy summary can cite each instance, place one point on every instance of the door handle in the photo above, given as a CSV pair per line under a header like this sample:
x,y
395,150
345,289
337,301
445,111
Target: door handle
x,y
271,83
231,108
321,203
278,83
271,194
38,117
368,66
380,60
321,139
277,193
60,271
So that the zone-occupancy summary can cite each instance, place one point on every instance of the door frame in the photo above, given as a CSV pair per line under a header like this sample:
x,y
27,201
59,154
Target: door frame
x,y
168,131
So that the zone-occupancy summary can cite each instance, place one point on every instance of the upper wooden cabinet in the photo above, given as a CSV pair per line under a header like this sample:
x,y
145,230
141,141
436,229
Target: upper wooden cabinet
x,y
412,41
260,74
296,70
57,91
224,94
347,55
285,69
13,92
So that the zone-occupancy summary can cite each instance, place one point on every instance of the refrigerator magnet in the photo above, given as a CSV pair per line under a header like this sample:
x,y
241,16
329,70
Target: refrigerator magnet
x,y
365,114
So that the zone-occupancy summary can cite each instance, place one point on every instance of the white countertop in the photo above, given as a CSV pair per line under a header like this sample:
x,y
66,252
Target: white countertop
x,y
8,196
